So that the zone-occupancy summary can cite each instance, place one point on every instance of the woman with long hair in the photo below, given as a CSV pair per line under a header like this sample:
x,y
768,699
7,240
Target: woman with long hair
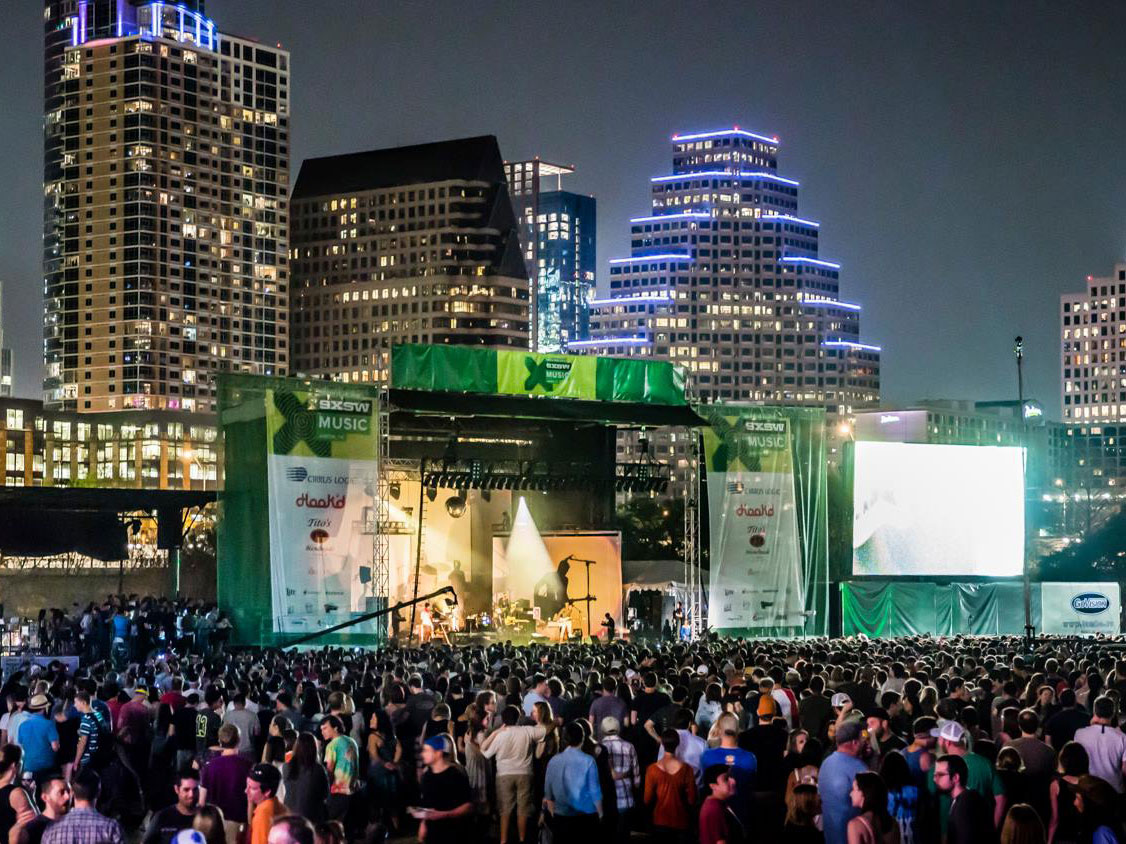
x,y
1064,825
874,824
546,747
802,811
209,822
385,756
806,764
1097,802
903,796
306,780
1023,826
476,765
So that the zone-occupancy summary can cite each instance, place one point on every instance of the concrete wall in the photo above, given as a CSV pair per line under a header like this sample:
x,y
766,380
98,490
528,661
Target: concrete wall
x,y
24,593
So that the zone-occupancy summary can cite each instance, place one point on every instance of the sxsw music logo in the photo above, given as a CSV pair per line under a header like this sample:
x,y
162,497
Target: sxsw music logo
x,y
296,474
756,426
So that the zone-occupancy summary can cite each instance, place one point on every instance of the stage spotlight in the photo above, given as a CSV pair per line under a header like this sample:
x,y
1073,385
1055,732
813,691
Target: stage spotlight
x,y
486,495
394,488
431,493
455,506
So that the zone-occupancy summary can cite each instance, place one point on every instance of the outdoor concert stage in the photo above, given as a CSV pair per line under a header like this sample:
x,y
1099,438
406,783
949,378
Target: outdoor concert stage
x,y
506,494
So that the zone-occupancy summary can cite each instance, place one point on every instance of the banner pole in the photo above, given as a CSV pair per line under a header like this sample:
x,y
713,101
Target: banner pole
x,y
418,543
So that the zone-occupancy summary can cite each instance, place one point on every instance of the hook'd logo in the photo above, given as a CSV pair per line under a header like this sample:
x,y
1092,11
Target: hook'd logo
x,y
1090,603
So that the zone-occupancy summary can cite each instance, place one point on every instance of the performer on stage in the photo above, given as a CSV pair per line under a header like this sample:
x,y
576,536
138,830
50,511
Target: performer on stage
x,y
426,624
609,626
551,591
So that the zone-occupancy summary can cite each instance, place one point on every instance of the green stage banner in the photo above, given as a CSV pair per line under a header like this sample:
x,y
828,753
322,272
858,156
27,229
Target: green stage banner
x,y
295,546
466,369
758,566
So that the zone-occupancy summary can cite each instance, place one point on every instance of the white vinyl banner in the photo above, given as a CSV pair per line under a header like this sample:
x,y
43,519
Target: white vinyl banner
x,y
318,541
1080,608
756,571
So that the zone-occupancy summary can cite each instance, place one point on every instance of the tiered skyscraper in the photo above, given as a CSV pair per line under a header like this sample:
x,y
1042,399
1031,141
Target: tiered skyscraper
x,y
557,230
725,278
165,224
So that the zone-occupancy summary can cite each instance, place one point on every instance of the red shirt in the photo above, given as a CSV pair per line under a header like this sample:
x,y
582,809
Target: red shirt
x,y
713,822
174,699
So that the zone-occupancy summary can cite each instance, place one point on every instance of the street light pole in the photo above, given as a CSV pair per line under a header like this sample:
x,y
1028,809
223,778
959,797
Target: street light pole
x,y
1018,350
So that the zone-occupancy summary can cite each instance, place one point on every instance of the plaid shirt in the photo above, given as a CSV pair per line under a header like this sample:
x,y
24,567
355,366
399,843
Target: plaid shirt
x,y
83,826
623,760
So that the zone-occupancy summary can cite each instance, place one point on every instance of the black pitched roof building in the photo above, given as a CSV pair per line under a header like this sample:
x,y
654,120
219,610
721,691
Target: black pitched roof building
x,y
403,245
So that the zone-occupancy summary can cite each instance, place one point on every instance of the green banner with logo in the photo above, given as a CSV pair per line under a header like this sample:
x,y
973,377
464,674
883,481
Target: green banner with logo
x,y
466,369
296,542
768,524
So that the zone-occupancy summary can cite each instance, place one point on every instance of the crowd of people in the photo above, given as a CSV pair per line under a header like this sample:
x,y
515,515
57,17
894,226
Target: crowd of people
x,y
130,628
844,741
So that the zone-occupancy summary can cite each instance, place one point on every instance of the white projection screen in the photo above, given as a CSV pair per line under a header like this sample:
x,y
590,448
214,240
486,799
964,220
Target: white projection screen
x,y
940,510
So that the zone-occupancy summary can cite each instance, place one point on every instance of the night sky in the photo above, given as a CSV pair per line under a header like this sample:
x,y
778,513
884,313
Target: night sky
x,y
965,159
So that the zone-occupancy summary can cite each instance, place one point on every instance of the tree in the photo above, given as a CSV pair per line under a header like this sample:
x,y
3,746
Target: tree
x,y
652,529
1100,555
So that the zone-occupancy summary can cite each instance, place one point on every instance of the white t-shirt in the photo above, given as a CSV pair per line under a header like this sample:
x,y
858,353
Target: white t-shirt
x,y
1106,750
513,747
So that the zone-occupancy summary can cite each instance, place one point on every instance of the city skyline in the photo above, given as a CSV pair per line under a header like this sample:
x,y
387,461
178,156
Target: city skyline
x,y
942,174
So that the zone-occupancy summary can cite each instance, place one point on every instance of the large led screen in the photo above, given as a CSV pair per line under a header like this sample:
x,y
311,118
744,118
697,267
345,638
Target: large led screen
x,y
937,510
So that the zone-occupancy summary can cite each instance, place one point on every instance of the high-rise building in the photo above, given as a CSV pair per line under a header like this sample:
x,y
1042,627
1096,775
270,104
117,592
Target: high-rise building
x,y
557,230
724,278
5,354
413,244
1093,351
165,227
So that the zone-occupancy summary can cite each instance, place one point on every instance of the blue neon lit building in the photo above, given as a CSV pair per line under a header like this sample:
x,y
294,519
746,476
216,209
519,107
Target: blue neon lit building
x,y
557,230
725,277
166,175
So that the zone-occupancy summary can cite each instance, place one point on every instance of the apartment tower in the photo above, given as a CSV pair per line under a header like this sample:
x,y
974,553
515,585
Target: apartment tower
x,y
415,244
165,223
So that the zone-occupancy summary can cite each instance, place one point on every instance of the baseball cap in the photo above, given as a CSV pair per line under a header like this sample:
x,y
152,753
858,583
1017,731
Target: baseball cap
x,y
611,725
950,731
840,699
878,712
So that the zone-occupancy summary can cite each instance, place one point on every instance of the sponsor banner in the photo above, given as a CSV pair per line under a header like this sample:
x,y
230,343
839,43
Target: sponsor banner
x,y
1080,608
321,467
464,369
756,567
527,374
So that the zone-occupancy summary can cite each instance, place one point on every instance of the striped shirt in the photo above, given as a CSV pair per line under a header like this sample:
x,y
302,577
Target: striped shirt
x,y
91,727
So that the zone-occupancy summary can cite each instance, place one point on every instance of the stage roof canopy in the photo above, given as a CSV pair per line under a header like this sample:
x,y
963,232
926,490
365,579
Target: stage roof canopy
x,y
513,384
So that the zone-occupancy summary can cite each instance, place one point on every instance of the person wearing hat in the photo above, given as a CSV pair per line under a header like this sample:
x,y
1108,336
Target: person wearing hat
x,y
262,791
445,795
134,723
980,775
39,737
884,741
835,781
